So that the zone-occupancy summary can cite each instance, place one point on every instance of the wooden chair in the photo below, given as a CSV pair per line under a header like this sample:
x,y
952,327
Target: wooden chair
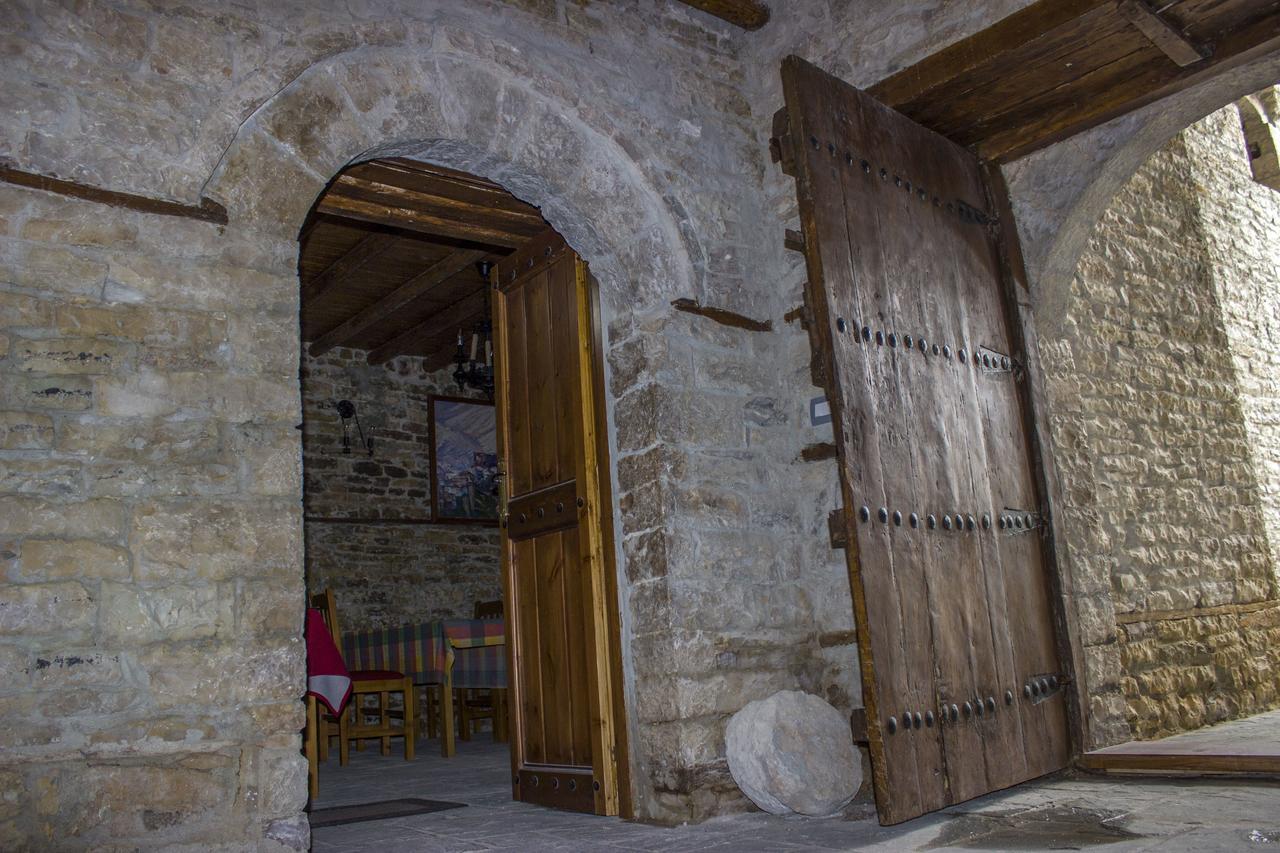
x,y
375,682
477,704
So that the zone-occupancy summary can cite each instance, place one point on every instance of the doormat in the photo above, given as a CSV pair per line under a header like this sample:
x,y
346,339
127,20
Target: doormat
x,y
382,810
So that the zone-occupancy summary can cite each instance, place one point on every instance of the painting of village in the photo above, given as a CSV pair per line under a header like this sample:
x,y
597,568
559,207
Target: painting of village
x,y
464,460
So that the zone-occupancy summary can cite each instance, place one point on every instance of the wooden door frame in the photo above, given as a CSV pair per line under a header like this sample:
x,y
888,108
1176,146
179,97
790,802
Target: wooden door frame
x,y
611,740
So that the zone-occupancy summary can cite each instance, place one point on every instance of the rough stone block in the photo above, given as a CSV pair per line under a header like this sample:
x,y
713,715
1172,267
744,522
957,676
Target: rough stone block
x,y
55,608
92,519
25,431
54,393
57,559
133,616
183,539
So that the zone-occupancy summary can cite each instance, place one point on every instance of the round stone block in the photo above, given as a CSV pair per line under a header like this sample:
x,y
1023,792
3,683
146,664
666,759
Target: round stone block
x,y
793,754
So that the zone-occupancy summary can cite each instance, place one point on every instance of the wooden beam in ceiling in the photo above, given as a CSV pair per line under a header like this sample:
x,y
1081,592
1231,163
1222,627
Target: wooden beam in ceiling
x,y
1059,67
437,201
748,14
396,216
450,319
369,247
396,300
1162,34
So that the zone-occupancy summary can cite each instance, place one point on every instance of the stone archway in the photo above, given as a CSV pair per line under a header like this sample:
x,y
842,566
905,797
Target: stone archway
x,y
1060,192
459,113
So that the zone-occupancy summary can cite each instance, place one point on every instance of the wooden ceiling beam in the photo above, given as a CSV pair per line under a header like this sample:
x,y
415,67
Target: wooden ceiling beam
x,y
1056,68
1254,41
984,48
438,204
412,220
1162,34
748,14
369,247
396,300
453,317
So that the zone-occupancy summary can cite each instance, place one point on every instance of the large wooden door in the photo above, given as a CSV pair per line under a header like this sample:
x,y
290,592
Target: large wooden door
x,y
557,534
924,363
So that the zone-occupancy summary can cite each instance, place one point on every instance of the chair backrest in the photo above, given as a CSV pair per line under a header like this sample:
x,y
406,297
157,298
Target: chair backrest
x,y
489,609
327,604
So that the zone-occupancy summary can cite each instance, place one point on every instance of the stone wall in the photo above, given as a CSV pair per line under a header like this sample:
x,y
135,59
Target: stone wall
x,y
1162,387
639,128
385,566
150,532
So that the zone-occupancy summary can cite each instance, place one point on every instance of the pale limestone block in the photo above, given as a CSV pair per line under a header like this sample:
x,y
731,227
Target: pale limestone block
x,y
54,559
54,608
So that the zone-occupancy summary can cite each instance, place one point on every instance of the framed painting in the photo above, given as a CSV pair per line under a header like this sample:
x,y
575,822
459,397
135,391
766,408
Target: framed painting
x,y
464,461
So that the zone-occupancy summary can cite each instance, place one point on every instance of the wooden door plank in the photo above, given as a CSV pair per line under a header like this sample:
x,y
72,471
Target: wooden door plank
x,y
880,630
879,213
609,745
553,651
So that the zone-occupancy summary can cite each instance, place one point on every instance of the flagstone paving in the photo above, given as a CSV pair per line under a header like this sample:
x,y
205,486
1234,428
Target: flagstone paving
x,y
1063,812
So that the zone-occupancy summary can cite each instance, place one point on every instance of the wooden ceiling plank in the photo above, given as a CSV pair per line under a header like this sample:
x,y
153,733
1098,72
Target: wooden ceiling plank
x,y
747,14
388,305
1258,38
369,247
1098,38
351,186
1076,93
1161,32
409,220
984,48
453,317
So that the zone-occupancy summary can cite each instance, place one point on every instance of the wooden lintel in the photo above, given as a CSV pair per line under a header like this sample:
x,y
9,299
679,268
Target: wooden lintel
x,y
818,451
412,220
722,315
451,265
432,327
205,211
360,254
836,530
1161,33
748,14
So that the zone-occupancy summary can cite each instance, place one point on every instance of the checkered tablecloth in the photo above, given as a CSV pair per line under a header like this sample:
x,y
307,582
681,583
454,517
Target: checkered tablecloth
x,y
419,651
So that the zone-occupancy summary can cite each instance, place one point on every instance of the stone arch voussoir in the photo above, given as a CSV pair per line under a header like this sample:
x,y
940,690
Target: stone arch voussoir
x,y
453,110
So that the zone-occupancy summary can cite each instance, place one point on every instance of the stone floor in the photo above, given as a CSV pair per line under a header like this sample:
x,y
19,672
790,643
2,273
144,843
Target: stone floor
x,y
1054,814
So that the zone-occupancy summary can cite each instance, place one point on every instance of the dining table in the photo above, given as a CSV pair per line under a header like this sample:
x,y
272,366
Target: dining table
x,y
444,653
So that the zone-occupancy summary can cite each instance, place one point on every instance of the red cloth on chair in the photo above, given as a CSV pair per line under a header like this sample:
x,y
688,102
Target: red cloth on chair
x,y
327,676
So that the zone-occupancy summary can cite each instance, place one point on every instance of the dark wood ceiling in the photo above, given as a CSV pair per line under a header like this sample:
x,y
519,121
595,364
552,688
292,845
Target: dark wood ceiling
x,y
1058,67
390,258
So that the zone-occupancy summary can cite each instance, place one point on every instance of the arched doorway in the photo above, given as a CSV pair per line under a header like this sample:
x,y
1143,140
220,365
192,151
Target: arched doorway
x,y
464,329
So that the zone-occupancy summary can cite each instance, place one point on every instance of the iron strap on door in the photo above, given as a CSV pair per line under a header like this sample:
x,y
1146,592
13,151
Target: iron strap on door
x,y
912,342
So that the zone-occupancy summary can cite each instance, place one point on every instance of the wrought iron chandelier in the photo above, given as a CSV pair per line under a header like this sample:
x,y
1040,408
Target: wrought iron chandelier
x,y
476,370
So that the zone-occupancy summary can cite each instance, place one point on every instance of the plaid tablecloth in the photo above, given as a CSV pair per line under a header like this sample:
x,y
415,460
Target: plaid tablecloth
x,y
419,651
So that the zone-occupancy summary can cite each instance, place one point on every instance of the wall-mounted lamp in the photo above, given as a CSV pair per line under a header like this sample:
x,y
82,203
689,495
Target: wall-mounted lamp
x,y
347,411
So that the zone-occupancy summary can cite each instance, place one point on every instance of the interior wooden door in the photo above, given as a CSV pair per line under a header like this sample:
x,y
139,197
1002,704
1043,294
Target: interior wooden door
x,y
557,533
923,361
